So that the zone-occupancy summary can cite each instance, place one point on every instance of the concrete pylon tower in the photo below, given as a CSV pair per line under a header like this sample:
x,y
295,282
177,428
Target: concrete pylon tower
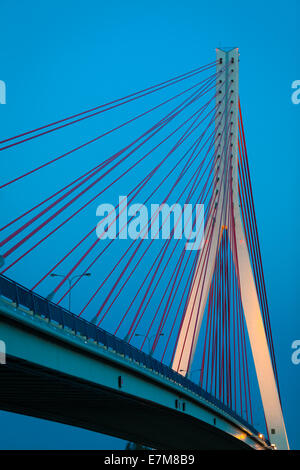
x,y
226,148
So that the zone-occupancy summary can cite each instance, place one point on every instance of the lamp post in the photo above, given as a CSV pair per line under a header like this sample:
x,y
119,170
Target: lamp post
x,y
70,280
149,340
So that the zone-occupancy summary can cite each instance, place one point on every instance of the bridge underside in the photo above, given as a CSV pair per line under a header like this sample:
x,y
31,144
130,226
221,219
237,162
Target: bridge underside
x,y
32,390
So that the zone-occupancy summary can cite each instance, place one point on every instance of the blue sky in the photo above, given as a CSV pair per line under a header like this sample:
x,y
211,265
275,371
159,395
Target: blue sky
x,y
60,57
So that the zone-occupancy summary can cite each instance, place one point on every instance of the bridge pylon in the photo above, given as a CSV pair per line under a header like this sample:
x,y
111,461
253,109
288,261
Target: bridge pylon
x,y
226,157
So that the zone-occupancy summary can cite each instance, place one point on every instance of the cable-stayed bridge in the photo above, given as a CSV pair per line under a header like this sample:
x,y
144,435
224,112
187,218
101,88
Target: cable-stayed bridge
x,y
169,341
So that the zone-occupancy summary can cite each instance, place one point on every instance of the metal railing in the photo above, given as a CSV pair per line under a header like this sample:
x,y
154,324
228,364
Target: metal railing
x,y
24,297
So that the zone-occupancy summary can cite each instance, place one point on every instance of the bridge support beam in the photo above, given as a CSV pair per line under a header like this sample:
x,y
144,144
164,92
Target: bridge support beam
x,y
227,116
228,63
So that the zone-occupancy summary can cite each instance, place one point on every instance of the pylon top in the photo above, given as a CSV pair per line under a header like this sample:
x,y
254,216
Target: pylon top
x,y
226,49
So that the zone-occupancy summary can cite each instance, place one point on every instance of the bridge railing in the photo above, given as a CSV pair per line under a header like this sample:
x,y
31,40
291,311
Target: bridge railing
x,y
33,302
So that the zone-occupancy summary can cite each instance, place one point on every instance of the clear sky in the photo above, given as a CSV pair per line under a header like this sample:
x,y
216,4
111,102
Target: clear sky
x,y
60,57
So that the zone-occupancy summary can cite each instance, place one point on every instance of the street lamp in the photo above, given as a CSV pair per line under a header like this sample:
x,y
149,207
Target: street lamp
x,y
149,340
70,280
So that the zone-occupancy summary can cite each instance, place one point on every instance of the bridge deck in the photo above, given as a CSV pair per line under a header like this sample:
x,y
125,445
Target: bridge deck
x,y
31,387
